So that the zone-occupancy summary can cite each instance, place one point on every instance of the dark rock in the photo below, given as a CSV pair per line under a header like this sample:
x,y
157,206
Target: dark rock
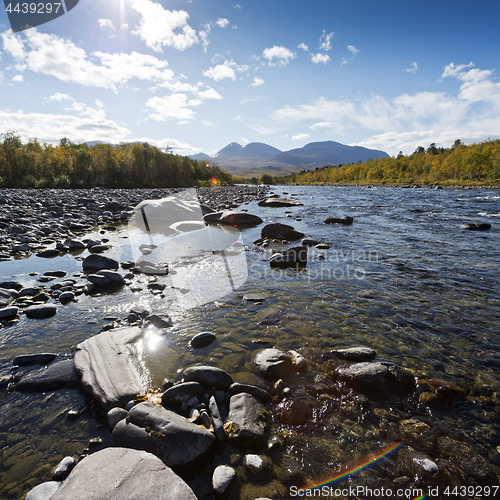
x,y
201,340
66,297
346,220
233,218
74,245
94,249
64,467
122,473
280,232
8,313
293,257
106,368
164,433
209,376
115,277
60,375
50,252
356,353
33,359
274,364
41,311
98,262
140,311
99,280
309,242
216,419
159,321
56,274
377,377
177,394
115,415
223,479
114,206
259,393
14,285
478,226
279,202
29,291
293,412
246,418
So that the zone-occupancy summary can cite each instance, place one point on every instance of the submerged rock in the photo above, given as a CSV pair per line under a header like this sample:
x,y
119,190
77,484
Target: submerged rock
x,y
59,375
478,226
33,359
274,364
356,353
279,202
293,257
203,339
280,232
346,220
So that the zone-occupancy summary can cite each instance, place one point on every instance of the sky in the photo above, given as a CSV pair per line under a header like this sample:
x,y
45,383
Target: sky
x,y
195,75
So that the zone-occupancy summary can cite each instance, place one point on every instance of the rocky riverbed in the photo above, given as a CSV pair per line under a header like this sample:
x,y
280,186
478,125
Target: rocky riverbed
x,y
258,417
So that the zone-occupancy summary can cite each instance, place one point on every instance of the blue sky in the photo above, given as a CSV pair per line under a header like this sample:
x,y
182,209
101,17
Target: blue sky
x,y
195,75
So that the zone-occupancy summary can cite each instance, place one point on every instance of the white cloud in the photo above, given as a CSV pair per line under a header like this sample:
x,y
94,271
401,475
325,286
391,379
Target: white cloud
x,y
207,123
257,82
209,94
174,106
317,58
222,22
300,137
280,53
51,55
412,69
303,46
18,79
343,62
221,72
60,97
204,36
238,6
125,26
353,49
320,125
177,146
163,28
452,70
324,40
106,23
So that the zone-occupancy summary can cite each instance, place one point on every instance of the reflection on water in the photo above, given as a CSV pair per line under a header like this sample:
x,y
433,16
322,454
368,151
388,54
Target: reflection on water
x,y
404,279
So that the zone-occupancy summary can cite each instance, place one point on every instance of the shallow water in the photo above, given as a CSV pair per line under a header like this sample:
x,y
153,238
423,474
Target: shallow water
x,y
404,279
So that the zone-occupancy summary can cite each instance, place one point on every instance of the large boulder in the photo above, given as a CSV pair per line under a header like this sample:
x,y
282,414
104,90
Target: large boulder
x,y
233,218
177,442
274,364
278,231
245,422
106,368
118,473
279,202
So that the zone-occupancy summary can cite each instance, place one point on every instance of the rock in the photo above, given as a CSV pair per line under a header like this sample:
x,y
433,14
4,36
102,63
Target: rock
x,y
50,252
64,467
233,218
8,313
478,226
115,415
29,291
274,364
293,412
377,377
114,206
66,297
293,257
259,393
417,464
216,419
159,321
279,202
55,274
164,433
209,376
223,479
43,491
256,464
74,245
203,339
174,396
309,242
298,361
99,281
34,359
140,311
41,311
280,232
105,365
246,419
356,353
345,220
121,473
98,262
98,248
115,277
60,375
14,285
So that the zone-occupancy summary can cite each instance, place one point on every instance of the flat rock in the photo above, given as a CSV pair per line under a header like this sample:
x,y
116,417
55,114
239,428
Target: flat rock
x,y
33,359
377,377
14,285
7,313
247,424
164,433
41,311
59,375
233,218
209,376
279,202
122,473
280,231
50,252
106,368
174,396
274,364
356,353
43,491
98,262
346,220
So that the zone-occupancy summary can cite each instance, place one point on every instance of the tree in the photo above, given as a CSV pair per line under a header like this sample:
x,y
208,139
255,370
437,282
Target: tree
x,y
456,144
419,150
432,149
267,179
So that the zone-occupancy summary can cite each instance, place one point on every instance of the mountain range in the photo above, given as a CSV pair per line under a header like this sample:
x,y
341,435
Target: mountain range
x,y
256,158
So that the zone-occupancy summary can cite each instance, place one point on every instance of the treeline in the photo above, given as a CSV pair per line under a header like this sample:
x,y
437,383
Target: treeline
x,y
70,165
459,164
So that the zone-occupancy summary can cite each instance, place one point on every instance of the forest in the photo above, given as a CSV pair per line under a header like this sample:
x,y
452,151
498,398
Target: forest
x,y
474,164
69,165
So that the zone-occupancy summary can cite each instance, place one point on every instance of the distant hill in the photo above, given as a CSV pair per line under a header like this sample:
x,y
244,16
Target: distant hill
x,y
199,156
253,150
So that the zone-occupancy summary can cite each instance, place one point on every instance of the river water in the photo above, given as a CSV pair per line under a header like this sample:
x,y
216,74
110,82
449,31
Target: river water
x,y
404,279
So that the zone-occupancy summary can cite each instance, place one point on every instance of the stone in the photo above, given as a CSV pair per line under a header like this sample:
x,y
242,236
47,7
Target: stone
x,y
43,491
233,218
292,257
216,419
115,277
245,422
346,220
309,242
8,313
203,339
66,297
279,202
478,226
140,311
416,464
259,393
55,274
223,479
98,262
293,412
177,442
256,464
60,375
122,473
298,361
356,353
280,232
99,281
377,377
274,364
74,244
209,376
33,359
14,285
106,368
41,311
159,321
174,396
115,415
98,249
29,291
64,467
50,252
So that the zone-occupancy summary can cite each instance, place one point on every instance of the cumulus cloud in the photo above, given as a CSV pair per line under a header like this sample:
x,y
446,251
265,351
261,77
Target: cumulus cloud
x,y
48,54
412,69
106,23
257,82
352,49
317,58
209,94
221,72
174,106
160,28
60,97
18,79
222,22
303,46
204,36
300,137
324,40
281,54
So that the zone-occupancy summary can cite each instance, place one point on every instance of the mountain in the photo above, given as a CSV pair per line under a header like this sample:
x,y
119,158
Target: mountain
x,y
230,151
199,156
252,150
